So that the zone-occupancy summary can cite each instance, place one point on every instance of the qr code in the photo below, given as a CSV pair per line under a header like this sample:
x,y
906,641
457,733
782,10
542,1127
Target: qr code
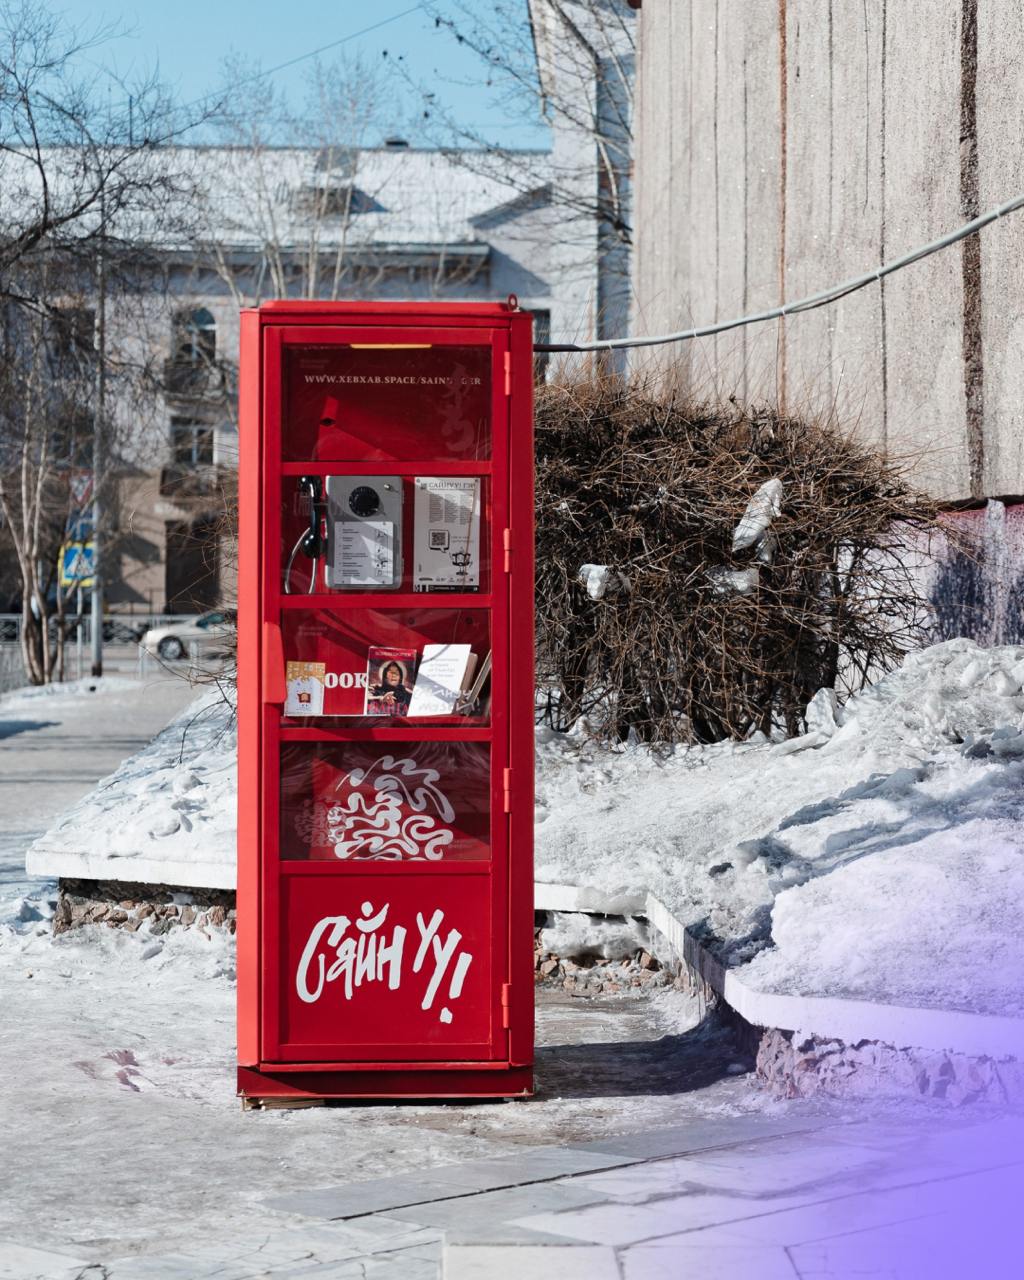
x,y
439,539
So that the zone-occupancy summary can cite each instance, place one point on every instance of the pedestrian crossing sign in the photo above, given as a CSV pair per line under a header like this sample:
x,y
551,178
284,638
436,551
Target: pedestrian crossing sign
x,y
77,564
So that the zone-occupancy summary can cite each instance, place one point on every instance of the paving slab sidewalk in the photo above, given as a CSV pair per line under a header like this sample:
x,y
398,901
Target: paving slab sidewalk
x,y
55,745
734,1198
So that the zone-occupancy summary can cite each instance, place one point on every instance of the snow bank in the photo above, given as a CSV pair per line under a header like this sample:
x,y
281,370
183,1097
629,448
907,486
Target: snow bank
x,y
54,694
166,816
943,695
877,857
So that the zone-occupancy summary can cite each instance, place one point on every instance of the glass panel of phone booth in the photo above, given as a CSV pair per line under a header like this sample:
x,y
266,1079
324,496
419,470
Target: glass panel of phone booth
x,y
344,534
342,664
385,802
378,402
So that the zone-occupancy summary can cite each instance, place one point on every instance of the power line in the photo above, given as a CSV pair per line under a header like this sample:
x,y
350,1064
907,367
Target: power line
x,y
822,299
303,57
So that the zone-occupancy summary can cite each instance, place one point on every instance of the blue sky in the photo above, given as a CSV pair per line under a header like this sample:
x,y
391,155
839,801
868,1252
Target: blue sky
x,y
188,39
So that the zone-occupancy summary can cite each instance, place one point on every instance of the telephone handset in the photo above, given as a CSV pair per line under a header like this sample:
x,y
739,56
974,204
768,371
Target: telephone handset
x,y
312,542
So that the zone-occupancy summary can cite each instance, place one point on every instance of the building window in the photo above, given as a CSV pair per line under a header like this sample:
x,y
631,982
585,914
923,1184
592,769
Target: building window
x,y
72,337
191,442
191,372
195,338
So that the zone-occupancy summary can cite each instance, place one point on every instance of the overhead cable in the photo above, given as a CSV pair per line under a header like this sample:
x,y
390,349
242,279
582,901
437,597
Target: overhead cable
x,y
312,53
822,299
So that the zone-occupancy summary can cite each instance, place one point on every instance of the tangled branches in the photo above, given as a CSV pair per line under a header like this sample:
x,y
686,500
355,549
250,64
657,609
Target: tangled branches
x,y
693,639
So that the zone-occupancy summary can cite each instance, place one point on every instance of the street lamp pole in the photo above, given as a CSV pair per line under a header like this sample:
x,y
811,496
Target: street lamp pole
x,y
100,338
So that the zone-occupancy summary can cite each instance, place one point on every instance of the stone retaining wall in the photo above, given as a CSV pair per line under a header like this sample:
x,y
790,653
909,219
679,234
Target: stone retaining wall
x,y
796,1066
121,904
650,965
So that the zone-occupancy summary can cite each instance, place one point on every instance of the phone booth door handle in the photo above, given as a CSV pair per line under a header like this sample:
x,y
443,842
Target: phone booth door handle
x,y
274,688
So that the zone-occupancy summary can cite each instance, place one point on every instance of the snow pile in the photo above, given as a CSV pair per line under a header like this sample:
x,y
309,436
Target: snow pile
x,y
167,815
63,690
576,934
879,856
919,871
946,694
931,917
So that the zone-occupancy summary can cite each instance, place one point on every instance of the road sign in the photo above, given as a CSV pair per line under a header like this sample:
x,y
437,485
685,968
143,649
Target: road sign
x,y
80,484
77,564
79,529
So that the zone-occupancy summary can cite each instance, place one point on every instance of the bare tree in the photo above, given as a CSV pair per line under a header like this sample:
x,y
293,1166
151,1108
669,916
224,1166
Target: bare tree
x,y
45,425
87,188
284,189
570,64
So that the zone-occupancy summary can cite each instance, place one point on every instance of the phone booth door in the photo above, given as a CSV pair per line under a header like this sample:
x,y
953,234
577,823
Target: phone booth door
x,y
385,744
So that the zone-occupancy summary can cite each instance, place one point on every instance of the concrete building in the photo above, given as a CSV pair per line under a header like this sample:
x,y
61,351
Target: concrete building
x,y
585,64
782,147
387,222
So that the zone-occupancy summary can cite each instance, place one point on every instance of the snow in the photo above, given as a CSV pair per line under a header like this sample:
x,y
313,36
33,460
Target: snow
x,y
574,934
118,1048
878,857
55,696
166,816
119,1054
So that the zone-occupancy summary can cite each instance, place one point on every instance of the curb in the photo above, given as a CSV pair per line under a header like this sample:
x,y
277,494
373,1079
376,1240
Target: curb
x,y
829,1017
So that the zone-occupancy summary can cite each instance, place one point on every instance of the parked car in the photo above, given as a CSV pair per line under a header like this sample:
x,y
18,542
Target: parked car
x,y
208,631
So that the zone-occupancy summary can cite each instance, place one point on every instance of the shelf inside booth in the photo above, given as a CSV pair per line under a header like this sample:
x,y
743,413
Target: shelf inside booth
x,y
412,668
338,729
346,533
341,600
380,402
347,866
317,467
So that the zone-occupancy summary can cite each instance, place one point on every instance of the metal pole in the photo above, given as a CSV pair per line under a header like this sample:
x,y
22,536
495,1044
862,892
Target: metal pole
x,y
80,634
97,448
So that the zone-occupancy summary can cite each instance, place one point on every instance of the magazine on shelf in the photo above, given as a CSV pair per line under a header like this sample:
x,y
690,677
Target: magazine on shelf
x,y
444,674
390,674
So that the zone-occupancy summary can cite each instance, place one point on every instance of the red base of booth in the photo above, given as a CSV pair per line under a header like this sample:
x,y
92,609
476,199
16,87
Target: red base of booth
x,y
513,1082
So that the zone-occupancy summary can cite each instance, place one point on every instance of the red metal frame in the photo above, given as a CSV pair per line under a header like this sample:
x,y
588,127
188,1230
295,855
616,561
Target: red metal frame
x,y
312,1045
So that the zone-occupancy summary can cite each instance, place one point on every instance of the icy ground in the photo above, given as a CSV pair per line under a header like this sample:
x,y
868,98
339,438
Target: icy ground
x,y
56,741
118,1057
879,857
167,814
123,1132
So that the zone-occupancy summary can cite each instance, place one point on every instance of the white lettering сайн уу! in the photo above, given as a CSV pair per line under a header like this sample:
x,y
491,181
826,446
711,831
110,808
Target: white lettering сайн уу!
x,y
368,956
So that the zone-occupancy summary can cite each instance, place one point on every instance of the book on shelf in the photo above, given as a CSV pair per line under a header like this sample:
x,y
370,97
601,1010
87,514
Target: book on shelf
x,y
472,701
444,674
304,686
390,674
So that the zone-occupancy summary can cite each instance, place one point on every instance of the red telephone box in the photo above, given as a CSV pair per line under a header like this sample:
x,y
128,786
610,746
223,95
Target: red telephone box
x,y
385,701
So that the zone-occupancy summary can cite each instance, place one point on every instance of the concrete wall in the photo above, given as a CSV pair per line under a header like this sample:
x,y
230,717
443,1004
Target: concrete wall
x,y
785,145
585,61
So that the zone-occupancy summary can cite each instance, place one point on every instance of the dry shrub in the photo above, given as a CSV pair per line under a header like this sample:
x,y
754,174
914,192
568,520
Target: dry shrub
x,y
654,486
